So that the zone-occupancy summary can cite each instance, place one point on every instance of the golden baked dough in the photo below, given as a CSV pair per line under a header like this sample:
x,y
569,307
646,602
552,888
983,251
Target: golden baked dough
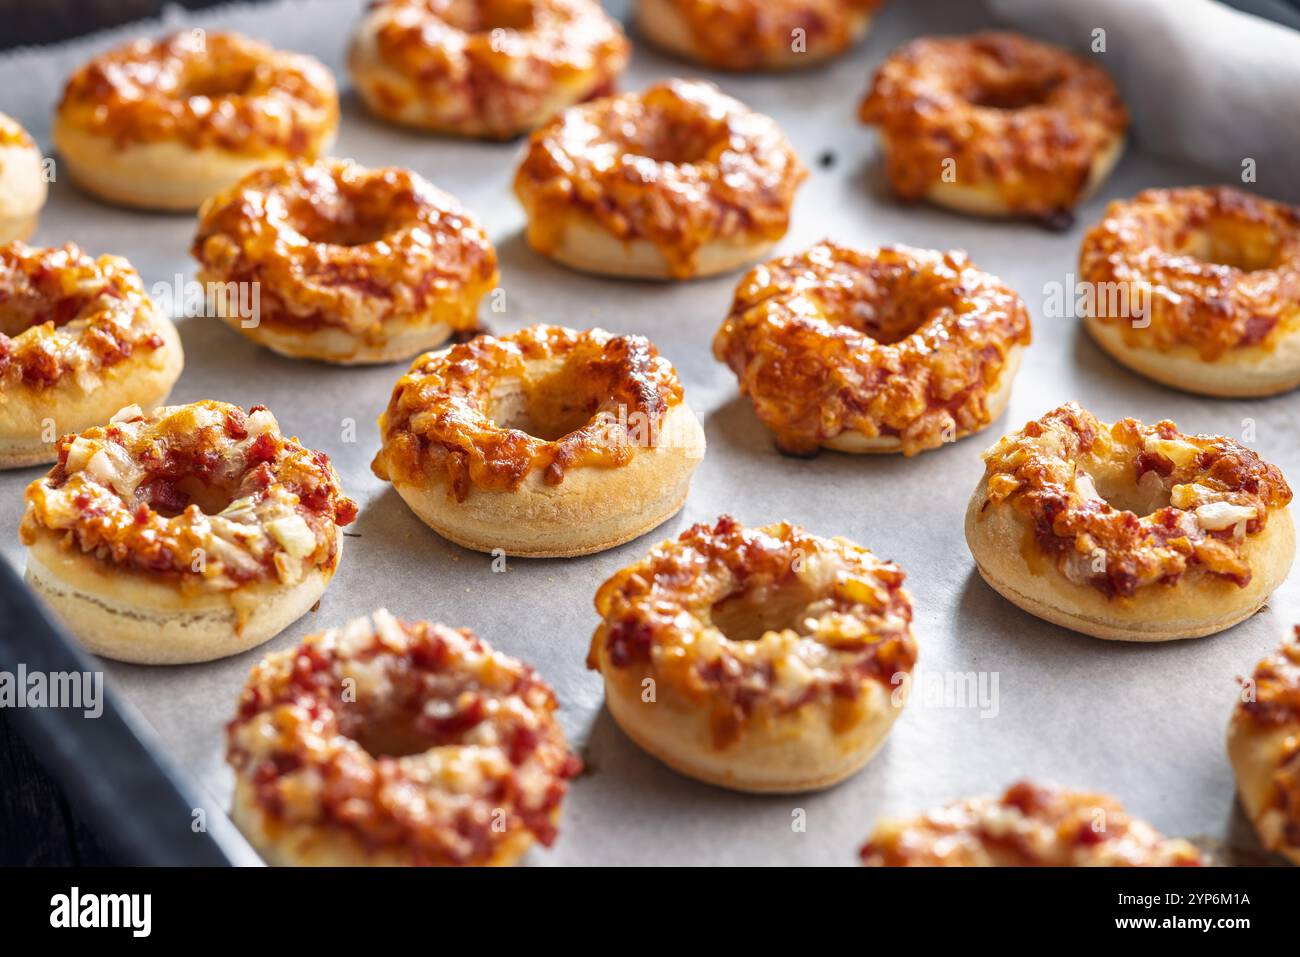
x,y
22,182
759,659
1209,283
352,265
995,124
880,350
184,534
542,443
485,68
678,181
755,34
166,123
1130,531
79,339
1264,747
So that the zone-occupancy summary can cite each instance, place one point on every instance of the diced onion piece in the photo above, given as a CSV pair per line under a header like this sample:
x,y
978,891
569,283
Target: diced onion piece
x,y
232,556
260,422
389,631
793,676
1002,485
355,635
79,453
1182,496
126,414
1085,488
100,467
294,535
1216,516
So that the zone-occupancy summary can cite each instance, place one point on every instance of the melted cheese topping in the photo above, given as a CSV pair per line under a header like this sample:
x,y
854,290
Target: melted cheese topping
x,y
851,625
67,317
894,341
482,759
1219,495
1022,118
492,65
1213,269
133,494
751,34
1029,826
13,134
442,416
332,243
218,90
1275,705
680,165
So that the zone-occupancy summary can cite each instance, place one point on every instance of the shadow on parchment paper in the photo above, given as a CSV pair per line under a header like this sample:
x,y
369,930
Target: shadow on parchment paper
x,y
399,536
734,427
208,336
1097,366
77,205
361,125
1047,642
979,602
644,786
518,261
871,173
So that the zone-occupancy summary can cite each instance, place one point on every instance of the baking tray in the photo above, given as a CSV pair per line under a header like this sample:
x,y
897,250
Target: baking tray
x,y
1145,723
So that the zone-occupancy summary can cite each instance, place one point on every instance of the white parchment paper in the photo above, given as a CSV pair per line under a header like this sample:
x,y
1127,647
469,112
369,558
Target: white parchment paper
x,y
1145,723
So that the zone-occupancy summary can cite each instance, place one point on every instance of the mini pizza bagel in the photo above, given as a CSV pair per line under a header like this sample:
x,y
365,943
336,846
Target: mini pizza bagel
x,y
22,182
163,124
1130,531
674,182
351,265
1031,825
185,534
446,752
995,124
79,339
1264,747
778,660
892,349
492,69
545,443
1210,278
755,34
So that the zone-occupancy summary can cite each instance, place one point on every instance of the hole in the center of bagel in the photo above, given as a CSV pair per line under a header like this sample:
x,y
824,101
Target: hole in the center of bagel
x,y
1142,497
355,231
393,735
1010,96
673,145
748,615
548,410
218,83
20,312
886,320
668,138
1247,248
170,497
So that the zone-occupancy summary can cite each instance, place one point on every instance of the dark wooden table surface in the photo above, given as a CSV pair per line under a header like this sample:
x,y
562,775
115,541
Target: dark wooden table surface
x,y
37,827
